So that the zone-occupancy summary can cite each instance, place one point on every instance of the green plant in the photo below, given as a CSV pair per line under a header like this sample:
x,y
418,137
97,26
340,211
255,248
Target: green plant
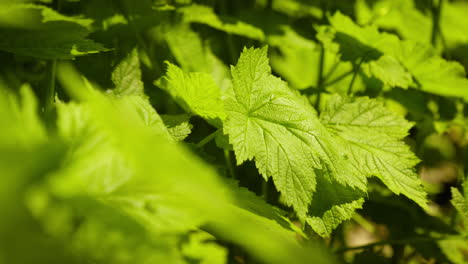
x,y
126,138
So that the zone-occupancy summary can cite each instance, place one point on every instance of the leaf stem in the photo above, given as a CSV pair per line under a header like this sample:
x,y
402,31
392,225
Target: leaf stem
x,y
208,138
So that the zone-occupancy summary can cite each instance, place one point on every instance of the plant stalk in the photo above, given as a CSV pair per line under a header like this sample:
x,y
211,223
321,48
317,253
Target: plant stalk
x,y
208,138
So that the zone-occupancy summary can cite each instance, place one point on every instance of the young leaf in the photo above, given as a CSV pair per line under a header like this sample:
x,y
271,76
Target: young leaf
x,y
127,76
197,93
268,122
374,135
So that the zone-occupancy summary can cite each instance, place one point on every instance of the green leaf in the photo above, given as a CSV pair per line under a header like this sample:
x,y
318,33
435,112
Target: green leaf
x,y
147,114
389,71
294,58
331,205
247,200
455,249
194,55
205,15
96,232
400,15
19,119
158,193
431,72
102,165
294,61
201,247
375,49
374,136
197,93
127,76
178,125
47,35
414,24
258,235
270,123
461,203
396,59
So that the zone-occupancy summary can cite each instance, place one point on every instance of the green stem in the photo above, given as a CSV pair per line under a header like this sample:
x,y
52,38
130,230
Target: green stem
x,y
339,78
331,70
269,5
356,71
436,11
231,49
364,223
50,88
320,76
227,157
208,138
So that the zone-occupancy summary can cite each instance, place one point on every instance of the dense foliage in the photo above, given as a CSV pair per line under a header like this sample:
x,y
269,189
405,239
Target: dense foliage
x,y
217,131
